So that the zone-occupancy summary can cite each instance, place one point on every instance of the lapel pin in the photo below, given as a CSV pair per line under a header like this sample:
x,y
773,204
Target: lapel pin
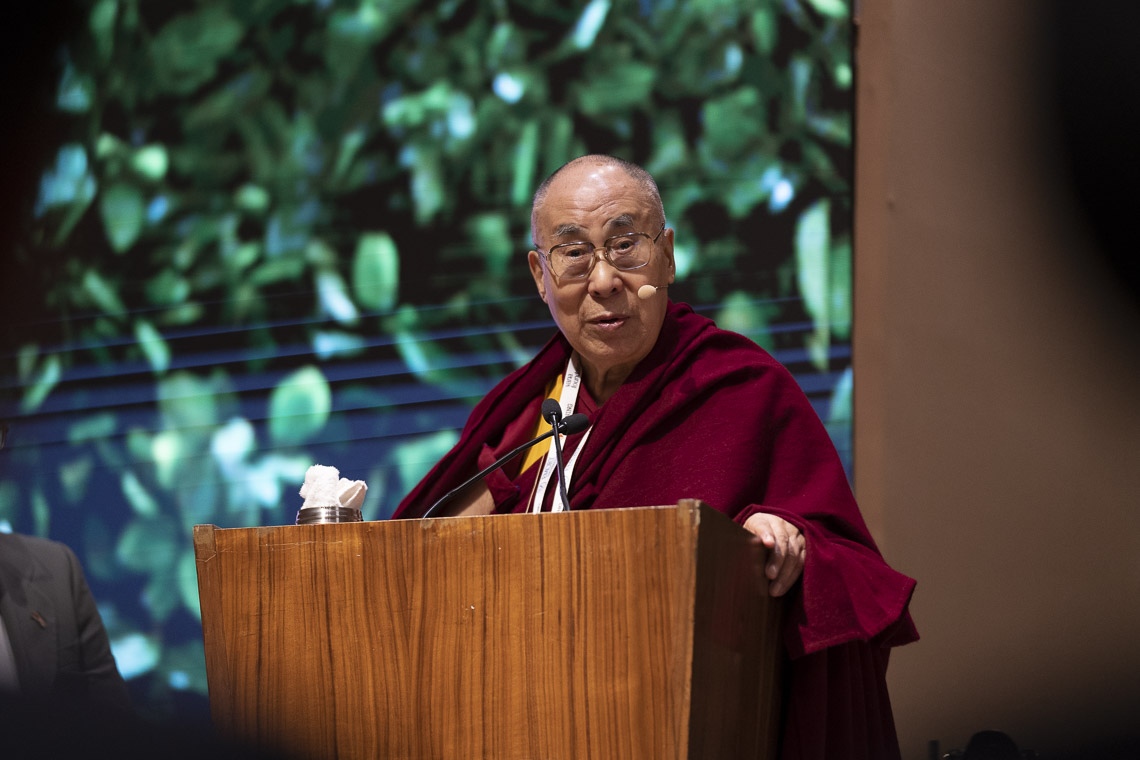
x,y
36,616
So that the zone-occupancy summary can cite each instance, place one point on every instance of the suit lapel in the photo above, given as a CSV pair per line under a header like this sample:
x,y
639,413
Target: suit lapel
x,y
29,616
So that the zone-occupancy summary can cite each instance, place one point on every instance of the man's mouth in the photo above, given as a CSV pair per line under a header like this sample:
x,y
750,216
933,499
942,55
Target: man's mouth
x,y
608,319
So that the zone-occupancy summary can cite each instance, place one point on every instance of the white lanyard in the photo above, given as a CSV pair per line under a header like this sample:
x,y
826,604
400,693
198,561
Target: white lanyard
x,y
569,401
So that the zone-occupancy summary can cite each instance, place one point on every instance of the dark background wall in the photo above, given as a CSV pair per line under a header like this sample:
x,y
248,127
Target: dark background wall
x,y
997,414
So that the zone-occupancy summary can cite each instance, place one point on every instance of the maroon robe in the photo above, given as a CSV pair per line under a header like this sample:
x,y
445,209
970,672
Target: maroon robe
x,y
710,415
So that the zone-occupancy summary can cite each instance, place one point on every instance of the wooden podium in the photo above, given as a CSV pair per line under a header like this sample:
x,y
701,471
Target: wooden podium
x,y
626,633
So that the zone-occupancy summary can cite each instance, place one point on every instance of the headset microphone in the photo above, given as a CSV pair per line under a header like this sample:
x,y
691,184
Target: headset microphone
x,y
645,292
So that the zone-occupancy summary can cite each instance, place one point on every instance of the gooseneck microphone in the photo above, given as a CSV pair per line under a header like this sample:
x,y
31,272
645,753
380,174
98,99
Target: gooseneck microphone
x,y
575,423
645,292
552,413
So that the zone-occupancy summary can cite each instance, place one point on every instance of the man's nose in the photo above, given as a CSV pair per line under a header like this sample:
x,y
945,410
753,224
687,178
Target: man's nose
x,y
604,278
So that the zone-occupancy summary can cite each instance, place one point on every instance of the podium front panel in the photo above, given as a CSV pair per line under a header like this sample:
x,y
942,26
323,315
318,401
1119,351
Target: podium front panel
x,y
511,636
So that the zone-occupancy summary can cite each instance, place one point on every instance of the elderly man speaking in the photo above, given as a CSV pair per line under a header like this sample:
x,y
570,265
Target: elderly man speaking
x,y
679,408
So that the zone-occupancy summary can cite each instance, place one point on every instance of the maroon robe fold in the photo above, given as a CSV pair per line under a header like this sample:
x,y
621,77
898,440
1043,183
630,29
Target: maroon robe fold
x,y
710,415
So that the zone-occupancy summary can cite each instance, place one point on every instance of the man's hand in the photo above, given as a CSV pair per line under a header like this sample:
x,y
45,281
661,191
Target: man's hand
x,y
786,550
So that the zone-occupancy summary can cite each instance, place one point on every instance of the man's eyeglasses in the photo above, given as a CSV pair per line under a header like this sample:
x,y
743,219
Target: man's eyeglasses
x,y
575,261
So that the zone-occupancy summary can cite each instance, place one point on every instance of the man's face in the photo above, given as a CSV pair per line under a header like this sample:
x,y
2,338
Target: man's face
x,y
601,315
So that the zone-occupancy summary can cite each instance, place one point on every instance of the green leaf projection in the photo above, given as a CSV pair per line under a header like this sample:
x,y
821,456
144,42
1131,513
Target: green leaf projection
x,y
278,233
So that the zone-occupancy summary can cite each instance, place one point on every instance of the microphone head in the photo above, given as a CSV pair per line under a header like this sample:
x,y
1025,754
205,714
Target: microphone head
x,y
551,411
645,292
575,423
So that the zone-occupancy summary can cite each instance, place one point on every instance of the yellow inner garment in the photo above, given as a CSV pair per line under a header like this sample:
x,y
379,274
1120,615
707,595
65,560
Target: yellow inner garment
x,y
539,451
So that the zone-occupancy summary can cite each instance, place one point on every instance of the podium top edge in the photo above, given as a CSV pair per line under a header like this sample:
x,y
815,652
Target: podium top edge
x,y
684,505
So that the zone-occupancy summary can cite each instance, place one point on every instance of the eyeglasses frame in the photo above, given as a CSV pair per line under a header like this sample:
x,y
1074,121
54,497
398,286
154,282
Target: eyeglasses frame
x,y
605,248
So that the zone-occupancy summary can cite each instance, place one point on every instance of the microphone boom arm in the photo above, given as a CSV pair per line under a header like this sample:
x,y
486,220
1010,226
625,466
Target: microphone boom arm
x,y
575,423
555,421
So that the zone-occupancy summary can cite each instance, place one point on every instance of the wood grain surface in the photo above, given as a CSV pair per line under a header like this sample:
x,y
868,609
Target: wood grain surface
x,y
633,633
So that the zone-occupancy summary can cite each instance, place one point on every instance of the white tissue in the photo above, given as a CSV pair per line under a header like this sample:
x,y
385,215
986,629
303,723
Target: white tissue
x,y
323,489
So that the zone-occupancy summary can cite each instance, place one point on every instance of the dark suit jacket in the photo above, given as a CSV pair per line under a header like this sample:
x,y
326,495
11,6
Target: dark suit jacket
x,y
61,648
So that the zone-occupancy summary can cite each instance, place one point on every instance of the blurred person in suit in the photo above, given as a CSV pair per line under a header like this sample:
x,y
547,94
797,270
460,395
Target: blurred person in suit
x,y
53,647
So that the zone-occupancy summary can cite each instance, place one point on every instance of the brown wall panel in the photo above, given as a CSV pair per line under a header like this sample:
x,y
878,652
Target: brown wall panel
x,y
997,394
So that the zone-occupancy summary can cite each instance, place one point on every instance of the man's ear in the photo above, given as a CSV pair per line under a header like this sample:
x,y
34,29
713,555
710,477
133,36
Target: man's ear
x,y
668,248
535,262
